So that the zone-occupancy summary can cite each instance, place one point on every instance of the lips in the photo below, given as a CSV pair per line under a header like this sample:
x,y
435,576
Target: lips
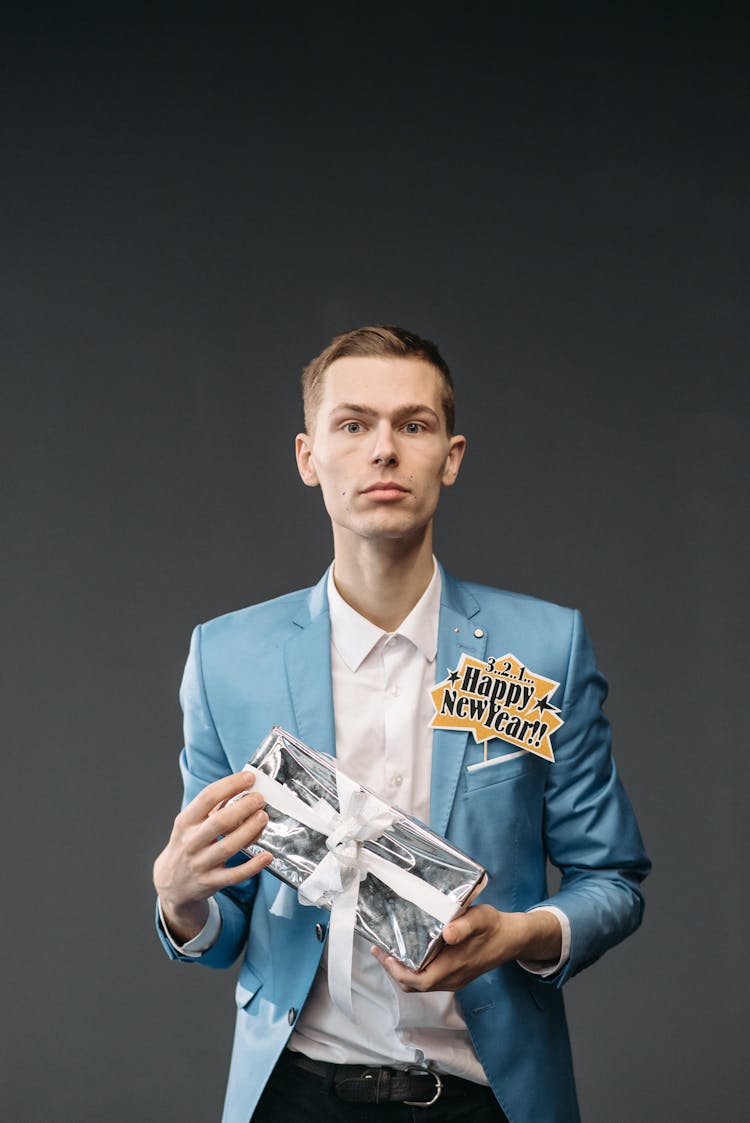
x,y
385,489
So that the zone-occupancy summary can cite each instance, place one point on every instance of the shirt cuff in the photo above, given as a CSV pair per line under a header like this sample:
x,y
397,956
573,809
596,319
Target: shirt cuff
x,y
545,970
205,939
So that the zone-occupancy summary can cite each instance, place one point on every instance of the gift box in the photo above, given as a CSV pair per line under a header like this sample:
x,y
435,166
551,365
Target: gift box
x,y
339,845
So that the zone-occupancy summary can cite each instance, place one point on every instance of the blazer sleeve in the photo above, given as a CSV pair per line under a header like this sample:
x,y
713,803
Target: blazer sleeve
x,y
590,830
202,761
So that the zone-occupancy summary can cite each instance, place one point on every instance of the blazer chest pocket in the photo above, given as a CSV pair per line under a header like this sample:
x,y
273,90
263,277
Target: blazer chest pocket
x,y
496,770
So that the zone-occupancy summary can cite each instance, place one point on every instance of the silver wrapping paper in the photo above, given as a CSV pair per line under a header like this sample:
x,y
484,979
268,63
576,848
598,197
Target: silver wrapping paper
x,y
396,925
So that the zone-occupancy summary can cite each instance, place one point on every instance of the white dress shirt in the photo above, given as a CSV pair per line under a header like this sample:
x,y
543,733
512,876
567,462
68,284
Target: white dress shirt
x,y
382,710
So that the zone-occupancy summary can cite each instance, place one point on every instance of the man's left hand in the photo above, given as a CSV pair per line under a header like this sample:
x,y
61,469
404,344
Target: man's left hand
x,y
477,942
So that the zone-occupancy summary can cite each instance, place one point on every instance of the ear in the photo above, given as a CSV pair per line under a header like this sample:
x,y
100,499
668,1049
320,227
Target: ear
x,y
453,460
305,466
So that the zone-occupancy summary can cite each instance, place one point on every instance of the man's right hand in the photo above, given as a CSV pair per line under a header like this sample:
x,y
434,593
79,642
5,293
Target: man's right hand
x,y
190,868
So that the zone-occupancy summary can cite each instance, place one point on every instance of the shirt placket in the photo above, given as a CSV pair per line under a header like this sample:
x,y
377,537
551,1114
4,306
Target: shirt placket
x,y
397,705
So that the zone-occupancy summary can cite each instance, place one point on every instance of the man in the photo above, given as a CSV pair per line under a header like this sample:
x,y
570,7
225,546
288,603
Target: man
x,y
481,1031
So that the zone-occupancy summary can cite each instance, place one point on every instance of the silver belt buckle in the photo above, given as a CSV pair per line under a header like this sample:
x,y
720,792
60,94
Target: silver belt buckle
x,y
438,1088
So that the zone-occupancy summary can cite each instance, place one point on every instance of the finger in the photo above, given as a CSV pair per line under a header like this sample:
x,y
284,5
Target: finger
x,y
239,810
215,793
247,833
472,923
233,875
458,930
406,979
216,851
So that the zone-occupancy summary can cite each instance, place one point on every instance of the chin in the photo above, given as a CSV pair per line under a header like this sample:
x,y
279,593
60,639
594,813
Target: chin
x,y
392,529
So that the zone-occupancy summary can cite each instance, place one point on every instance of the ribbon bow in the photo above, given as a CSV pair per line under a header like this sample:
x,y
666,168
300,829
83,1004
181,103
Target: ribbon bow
x,y
335,880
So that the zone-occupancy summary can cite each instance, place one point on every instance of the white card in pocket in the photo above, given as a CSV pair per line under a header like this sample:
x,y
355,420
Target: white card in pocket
x,y
495,760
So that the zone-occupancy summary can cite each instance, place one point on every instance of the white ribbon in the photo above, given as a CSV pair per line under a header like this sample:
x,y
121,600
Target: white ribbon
x,y
335,880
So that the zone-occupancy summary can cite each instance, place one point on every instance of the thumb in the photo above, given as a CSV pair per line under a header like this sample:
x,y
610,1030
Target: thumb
x,y
458,930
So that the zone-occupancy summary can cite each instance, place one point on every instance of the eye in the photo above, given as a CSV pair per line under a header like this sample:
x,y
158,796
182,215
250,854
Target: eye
x,y
413,427
352,427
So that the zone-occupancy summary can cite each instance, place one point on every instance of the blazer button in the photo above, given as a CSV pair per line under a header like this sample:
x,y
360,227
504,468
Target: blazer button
x,y
320,932
291,1016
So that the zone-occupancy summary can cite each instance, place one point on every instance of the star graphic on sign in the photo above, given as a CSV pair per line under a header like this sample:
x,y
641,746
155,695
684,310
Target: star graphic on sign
x,y
542,704
453,677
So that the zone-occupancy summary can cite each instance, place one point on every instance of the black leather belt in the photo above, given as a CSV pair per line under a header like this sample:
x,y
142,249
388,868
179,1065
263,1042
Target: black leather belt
x,y
417,1087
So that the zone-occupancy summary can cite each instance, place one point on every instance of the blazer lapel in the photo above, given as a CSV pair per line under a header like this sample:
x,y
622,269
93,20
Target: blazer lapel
x,y
456,634
308,666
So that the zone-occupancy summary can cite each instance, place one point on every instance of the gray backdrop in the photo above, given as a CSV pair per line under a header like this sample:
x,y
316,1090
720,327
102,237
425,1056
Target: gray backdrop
x,y
191,206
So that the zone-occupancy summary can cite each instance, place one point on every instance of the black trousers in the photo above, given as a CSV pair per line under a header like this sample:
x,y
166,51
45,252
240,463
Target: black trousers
x,y
295,1096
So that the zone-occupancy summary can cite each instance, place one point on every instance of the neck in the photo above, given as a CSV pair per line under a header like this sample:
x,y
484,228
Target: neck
x,y
382,580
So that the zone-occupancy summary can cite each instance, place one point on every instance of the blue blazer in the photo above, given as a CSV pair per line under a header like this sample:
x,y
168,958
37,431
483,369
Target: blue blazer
x,y
270,665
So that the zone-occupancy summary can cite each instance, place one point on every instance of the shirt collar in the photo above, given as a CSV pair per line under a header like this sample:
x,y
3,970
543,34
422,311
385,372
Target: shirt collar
x,y
354,637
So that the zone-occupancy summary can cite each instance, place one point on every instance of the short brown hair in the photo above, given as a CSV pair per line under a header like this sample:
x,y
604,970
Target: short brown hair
x,y
380,340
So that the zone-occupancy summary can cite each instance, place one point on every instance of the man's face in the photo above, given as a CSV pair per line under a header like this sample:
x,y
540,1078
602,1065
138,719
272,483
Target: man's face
x,y
379,447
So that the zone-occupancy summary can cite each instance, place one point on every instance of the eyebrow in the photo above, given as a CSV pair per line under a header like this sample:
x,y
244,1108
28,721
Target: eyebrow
x,y
399,415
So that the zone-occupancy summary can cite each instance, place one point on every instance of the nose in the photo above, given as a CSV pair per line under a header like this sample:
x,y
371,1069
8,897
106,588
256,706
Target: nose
x,y
384,450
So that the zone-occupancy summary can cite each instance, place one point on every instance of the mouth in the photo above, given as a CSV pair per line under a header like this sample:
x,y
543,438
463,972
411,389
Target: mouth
x,y
385,490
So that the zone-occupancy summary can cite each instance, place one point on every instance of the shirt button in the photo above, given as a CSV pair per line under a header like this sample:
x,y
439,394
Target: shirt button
x,y
398,780
320,931
479,632
395,691
291,1016
391,641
